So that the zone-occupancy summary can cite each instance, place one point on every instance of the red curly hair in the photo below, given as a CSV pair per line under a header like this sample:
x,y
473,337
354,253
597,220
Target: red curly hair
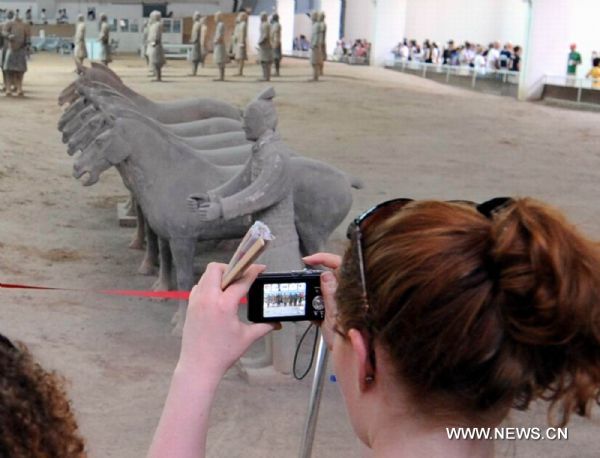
x,y
478,315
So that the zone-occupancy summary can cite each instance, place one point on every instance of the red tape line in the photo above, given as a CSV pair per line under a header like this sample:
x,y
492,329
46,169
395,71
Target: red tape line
x,y
171,295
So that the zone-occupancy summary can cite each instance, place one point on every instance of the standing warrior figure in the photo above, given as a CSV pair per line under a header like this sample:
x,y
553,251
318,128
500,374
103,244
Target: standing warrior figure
x,y
155,51
4,48
323,39
104,39
219,50
264,46
316,46
145,42
276,41
196,41
18,35
240,38
80,51
203,40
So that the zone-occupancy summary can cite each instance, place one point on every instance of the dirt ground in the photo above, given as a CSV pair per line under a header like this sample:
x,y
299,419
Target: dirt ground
x,y
402,135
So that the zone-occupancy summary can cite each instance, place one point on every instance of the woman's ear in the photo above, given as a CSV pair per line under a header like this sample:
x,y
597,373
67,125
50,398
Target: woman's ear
x,y
360,347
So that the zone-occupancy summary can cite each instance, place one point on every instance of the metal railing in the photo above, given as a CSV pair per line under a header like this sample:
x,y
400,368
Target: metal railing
x,y
579,90
450,72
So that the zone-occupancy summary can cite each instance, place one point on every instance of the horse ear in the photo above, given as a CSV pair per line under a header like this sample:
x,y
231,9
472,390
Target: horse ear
x,y
267,94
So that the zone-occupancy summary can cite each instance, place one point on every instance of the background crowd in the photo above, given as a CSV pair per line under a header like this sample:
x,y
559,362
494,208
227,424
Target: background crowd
x,y
489,58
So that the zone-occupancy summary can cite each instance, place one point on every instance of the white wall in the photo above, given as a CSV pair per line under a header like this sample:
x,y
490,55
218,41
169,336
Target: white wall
x,y
302,26
555,25
332,10
389,23
360,17
482,21
285,9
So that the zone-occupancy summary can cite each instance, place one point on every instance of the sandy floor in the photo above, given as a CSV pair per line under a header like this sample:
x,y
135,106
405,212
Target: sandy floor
x,y
402,135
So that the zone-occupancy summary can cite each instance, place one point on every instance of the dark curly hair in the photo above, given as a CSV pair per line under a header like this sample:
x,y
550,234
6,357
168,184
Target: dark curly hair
x,y
36,420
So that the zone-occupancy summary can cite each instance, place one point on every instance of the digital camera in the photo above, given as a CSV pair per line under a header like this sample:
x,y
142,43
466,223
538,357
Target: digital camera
x,y
286,296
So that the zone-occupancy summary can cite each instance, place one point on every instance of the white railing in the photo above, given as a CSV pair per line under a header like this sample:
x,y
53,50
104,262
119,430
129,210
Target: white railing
x,y
572,81
450,71
581,84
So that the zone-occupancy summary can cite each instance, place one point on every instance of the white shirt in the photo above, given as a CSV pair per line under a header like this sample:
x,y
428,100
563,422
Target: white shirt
x,y
492,58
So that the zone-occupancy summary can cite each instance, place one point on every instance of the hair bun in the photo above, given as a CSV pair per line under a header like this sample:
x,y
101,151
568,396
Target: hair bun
x,y
549,295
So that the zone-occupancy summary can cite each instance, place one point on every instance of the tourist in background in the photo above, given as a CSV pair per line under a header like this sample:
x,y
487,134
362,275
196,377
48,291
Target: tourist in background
x,y
573,62
594,73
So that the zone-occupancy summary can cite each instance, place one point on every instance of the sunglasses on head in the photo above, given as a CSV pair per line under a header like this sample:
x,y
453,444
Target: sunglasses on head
x,y
384,210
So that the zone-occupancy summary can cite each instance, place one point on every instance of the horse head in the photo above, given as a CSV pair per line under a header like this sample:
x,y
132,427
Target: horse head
x,y
77,122
97,124
104,151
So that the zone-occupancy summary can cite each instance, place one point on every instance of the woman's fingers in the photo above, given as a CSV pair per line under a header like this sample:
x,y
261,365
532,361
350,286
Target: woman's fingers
x,y
328,288
329,260
258,330
210,281
239,289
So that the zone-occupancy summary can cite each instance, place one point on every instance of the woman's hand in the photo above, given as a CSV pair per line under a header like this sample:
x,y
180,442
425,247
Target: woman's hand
x,y
214,338
328,288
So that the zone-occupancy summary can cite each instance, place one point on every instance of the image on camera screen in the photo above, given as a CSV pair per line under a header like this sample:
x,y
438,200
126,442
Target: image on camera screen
x,y
284,299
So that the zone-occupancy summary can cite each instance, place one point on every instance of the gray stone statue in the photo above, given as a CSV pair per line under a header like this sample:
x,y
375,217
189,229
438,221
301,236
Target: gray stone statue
x,y
18,36
321,194
196,41
166,112
156,53
80,51
263,190
276,42
144,47
316,46
219,50
323,39
265,51
240,40
4,49
104,39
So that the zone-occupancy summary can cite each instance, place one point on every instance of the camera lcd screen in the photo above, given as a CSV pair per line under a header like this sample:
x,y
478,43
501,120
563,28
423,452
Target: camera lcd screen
x,y
284,299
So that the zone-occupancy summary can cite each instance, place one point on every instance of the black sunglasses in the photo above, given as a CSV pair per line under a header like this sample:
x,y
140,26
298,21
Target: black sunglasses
x,y
385,209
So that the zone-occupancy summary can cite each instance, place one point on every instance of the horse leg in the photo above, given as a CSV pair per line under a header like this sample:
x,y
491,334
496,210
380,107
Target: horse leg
x,y
163,282
183,251
148,266
137,243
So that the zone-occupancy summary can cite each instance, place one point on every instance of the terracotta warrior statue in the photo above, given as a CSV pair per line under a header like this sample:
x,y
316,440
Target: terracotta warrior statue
x,y
219,49
316,46
18,35
276,41
323,30
240,38
262,190
145,42
196,41
264,181
80,51
156,53
4,48
265,55
104,39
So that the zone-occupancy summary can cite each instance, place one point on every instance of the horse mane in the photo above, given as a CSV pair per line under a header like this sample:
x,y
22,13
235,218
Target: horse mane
x,y
107,70
125,113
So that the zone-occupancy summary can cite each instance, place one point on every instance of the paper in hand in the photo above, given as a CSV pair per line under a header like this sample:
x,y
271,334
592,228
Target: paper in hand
x,y
250,248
